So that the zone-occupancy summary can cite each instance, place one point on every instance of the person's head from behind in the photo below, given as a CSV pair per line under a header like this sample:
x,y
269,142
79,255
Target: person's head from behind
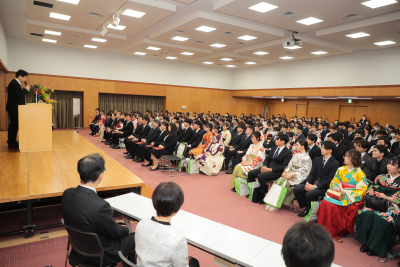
x,y
308,244
22,76
167,199
91,169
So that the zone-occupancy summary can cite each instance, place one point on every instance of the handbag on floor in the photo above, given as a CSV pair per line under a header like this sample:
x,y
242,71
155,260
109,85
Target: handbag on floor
x,y
277,193
121,143
255,191
182,165
192,166
241,186
312,214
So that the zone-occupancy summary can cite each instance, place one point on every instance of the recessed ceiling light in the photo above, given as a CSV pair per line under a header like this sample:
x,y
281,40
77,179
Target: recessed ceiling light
x,y
357,35
319,52
309,21
286,57
153,48
119,27
99,40
75,2
385,43
218,45
250,63
260,53
171,57
140,53
59,16
378,3
230,66
263,7
226,59
187,53
90,46
293,47
207,62
205,29
247,37
52,33
179,38
49,40
133,13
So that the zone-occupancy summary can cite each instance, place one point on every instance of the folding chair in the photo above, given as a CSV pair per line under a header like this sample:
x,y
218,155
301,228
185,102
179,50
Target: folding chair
x,y
125,262
179,154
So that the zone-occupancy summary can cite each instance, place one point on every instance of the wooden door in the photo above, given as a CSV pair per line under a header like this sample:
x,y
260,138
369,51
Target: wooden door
x,y
346,113
301,110
359,112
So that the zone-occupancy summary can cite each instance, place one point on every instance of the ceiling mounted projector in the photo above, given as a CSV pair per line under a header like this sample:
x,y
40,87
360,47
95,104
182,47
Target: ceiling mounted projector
x,y
292,43
104,31
116,20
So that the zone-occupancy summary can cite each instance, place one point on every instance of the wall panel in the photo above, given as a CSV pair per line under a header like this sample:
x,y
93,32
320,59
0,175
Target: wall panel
x,y
3,99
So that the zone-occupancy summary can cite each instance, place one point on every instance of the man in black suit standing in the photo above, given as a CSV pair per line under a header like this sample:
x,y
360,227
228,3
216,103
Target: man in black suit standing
x,y
85,211
238,153
17,89
313,150
317,183
274,165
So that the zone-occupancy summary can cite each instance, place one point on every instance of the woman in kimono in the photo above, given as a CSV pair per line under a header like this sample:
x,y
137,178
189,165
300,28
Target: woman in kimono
x,y
377,230
253,159
296,172
212,158
314,130
207,137
100,122
226,134
339,216
258,127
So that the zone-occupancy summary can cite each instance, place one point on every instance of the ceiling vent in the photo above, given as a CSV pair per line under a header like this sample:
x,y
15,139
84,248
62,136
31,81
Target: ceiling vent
x,y
70,43
172,51
200,42
95,15
240,43
288,14
397,34
288,53
351,16
180,31
228,33
163,53
238,61
155,55
42,4
37,34
76,36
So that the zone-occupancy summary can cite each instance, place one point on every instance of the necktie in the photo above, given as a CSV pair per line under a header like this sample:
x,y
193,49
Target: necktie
x,y
323,163
276,153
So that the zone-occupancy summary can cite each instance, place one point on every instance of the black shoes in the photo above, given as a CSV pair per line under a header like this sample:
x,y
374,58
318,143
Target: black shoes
x,y
116,147
128,157
229,172
261,202
151,169
139,160
233,190
364,249
126,152
247,196
303,213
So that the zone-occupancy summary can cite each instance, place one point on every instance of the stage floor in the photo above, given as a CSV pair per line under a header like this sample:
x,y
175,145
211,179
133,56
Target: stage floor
x,y
34,175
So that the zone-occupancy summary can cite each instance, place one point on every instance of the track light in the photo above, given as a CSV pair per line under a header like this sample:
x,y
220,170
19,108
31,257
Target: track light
x,y
116,20
104,31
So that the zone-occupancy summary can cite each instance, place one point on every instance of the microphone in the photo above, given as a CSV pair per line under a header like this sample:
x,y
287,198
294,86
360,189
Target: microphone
x,y
26,83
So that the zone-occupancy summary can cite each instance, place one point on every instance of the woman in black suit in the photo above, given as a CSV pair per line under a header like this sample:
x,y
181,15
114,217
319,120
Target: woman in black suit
x,y
167,145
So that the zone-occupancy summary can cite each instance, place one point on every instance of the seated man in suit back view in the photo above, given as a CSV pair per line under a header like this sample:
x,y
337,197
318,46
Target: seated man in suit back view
x,y
85,211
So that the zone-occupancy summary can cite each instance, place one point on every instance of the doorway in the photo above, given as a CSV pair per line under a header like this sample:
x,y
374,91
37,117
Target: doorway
x,y
352,113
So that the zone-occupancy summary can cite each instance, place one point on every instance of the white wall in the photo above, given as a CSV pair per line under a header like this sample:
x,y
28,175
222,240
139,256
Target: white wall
x,y
64,61
376,67
3,44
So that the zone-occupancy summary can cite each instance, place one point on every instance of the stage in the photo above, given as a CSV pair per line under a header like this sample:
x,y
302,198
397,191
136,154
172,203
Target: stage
x,y
35,177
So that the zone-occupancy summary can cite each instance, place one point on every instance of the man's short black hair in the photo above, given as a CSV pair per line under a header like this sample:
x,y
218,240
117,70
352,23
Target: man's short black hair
x,y
251,127
335,137
364,144
382,149
96,109
90,168
283,137
167,198
308,244
198,122
146,118
21,73
299,127
328,145
313,137
381,132
350,126
360,132
242,126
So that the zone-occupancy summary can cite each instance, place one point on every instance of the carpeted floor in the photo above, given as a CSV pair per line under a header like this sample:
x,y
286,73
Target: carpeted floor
x,y
206,196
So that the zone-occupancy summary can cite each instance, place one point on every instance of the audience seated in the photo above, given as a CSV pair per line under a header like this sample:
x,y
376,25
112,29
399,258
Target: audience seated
x,y
313,149
378,235
211,159
253,159
85,211
237,154
338,216
226,134
274,164
158,242
146,153
206,139
385,142
350,133
98,124
380,163
197,135
307,245
95,119
187,132
108,131
368,163
122,133
395,142
107,124
298,130
338,153
136,134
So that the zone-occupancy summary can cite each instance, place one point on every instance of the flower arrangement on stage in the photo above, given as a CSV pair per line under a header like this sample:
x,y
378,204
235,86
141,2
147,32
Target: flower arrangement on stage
x,y
43,94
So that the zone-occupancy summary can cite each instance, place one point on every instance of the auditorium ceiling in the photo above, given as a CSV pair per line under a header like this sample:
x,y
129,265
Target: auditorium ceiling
x,y
213,33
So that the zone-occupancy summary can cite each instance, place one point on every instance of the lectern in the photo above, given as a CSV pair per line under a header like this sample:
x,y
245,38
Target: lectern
x,y
35,127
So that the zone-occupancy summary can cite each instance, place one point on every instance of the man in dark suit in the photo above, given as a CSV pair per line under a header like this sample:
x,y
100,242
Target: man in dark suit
x,y
146,155
16,96
395,144
135,135
379,133
269,145
274,165
350,133
338,153
123,133
85,211
234,144
238,153
359,134
233,129
96,118
196,137
109,131
151,137
317,183
187,132
385,142
380,164
313,150
368,163
306,130
299,131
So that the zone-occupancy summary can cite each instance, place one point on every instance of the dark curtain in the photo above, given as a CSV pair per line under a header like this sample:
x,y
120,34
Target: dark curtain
x,y
126,103
62,111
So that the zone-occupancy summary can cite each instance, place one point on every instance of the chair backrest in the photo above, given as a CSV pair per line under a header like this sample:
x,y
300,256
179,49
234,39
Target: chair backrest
x,y
85,244
180,150
125,262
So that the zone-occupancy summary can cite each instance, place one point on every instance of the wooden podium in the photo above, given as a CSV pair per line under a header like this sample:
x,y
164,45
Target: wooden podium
x,y
35,127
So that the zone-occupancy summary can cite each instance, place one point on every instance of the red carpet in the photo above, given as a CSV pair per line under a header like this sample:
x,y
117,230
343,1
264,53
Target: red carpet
x,y
209,197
